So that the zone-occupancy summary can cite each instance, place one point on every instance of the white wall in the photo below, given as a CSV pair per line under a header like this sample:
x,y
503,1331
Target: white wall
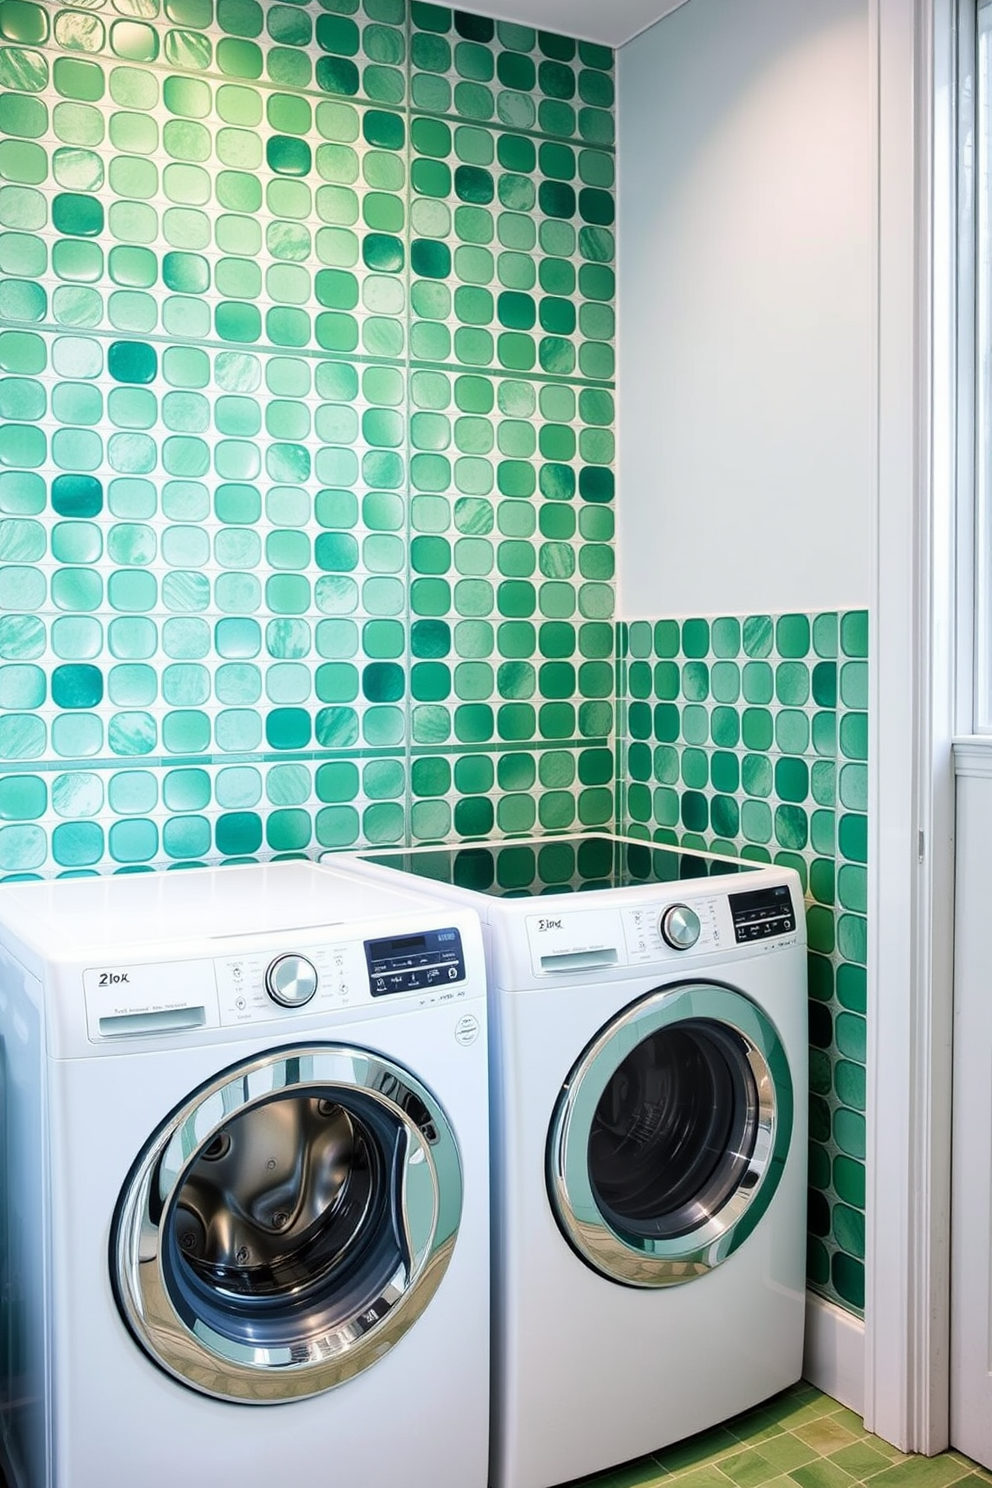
x,y
744,283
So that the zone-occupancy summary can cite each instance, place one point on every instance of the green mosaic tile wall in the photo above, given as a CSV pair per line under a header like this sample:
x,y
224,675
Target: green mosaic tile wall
x,y
306,483
306,361
748,735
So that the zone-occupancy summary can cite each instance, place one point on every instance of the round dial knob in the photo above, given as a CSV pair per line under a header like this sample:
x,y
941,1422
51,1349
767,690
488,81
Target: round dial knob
x,y
291,981
679,926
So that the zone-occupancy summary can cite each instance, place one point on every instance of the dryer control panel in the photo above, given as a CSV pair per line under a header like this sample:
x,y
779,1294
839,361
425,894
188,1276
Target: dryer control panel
x,y
761,913
659,931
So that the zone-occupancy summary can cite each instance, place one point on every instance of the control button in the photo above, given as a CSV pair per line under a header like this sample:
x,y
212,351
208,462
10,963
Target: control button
x,y
679,926
291,981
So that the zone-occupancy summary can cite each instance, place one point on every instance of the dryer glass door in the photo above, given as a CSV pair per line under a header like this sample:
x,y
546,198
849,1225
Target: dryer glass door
x,y
286,1226
670,1135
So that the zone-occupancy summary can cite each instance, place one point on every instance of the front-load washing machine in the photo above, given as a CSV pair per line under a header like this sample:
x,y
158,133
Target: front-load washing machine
x,y
649,1036
246,1217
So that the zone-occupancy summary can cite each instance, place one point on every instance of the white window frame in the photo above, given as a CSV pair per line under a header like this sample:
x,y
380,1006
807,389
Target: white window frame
x,y
917,359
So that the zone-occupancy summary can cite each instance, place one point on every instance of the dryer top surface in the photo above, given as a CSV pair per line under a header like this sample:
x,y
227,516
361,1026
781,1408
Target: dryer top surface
x,y
515,869
67,915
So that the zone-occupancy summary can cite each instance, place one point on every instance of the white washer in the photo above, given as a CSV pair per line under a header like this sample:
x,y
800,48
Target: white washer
x,y
245,1237
649,1038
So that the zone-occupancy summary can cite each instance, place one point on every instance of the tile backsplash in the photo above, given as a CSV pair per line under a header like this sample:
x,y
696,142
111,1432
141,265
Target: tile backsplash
x,y
749,735
307,492
306,345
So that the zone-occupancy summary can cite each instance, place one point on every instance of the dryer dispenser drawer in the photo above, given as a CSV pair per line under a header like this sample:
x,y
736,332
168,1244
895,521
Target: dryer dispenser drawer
x,y
414,963
762,913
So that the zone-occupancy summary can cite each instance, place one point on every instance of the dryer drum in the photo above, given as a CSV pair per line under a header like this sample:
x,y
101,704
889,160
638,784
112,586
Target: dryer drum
x,y
286,1227
670,1135
675,1130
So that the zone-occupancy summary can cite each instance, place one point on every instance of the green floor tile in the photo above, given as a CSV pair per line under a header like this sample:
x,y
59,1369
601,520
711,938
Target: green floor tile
x,y
821,1474
786,1451
803,1390
888,1451
757,1436
709,1476
860,1460
748,1469
921,1472
791,1410
755,1426
707,1446
850,1419
644,1473
807,1440
972,1468
825,1435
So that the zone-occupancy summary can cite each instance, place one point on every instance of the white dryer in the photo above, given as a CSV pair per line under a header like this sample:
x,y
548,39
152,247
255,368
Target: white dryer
x,y
649,1038
245,1231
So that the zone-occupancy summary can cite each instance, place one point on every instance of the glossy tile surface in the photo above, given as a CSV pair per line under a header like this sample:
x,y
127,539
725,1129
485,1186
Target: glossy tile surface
x,y
306,429
307,485
749,735
799,1439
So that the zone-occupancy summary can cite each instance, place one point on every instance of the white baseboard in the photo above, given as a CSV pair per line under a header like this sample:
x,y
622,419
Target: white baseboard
x,y
834,1357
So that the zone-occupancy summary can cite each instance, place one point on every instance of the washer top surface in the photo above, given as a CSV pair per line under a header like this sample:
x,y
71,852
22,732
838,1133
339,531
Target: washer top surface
x,y
244,899
514,869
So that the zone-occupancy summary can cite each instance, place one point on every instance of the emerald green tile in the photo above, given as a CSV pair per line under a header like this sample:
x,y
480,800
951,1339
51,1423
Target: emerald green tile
x,y
758,635
824,634
757,682
757,729
854,633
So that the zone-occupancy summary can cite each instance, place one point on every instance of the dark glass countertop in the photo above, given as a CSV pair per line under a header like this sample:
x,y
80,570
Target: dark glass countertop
x,y
563,865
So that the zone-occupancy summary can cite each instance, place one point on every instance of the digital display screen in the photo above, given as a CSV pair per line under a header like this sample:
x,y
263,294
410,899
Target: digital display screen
x,y
415,963
761,913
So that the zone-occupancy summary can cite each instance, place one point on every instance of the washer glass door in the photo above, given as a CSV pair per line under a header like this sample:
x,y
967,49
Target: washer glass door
x,y
288,1224
670,1135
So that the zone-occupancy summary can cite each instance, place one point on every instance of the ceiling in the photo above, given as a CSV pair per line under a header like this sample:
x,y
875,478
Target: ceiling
x,y
610,21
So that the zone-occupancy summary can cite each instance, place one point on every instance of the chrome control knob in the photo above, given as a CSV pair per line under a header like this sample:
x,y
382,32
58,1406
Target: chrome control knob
x,y
291,981
679,926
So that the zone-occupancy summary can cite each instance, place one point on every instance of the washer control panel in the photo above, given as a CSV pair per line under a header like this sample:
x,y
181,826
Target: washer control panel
x,y
412,963
136,1000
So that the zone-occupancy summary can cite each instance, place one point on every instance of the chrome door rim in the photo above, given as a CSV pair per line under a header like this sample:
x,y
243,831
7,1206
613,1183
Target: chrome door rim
x,y
429,1210
638,1260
